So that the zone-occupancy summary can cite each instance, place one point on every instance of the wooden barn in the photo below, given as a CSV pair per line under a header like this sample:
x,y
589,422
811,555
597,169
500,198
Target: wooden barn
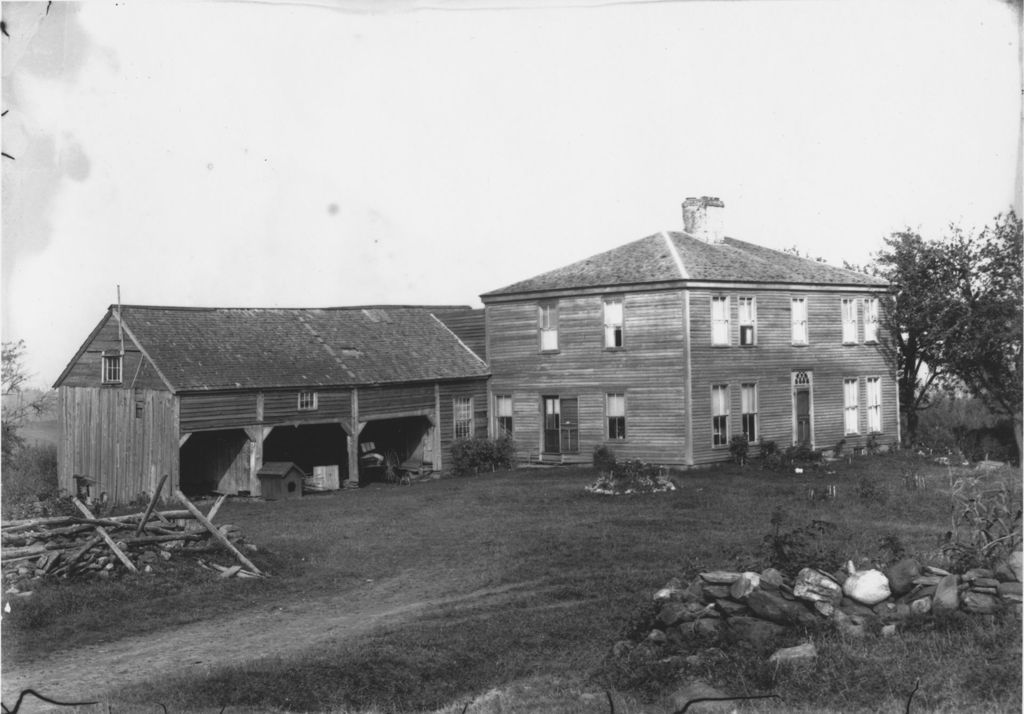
x,y
665,348
207,395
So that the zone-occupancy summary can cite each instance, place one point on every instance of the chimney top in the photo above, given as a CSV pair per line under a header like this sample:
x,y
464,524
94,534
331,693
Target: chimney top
x,y
703,218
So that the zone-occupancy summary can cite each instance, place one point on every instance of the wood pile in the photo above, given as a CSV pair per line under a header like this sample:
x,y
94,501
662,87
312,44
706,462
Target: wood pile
x,y
88,545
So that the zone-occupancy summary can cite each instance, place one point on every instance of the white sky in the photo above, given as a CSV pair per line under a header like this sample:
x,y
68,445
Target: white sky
x,y
287,154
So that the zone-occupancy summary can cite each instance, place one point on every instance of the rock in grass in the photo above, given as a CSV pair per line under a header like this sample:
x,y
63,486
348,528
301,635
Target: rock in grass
x,y
707,626
976,573
869,587
889,630
947,595
720,577
776,608
801,654
672,590
901,575
921,606
753,631
1009,591
673,613
657,637
850,625
772,578
745,584
980,603
814,586
730,607
710,592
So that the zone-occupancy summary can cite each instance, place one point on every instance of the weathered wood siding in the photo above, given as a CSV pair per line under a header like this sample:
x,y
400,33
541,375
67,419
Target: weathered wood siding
x,y
217,410
136,370
476,389
771,362
649,369
122,438
469,326
376,402
282,407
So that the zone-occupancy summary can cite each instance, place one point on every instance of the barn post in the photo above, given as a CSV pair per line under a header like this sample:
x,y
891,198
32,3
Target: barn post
x,y
352,481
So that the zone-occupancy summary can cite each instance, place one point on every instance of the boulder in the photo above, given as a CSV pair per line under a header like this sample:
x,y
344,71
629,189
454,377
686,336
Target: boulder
x,y
710,592
921,606
976,573
730,607
947,595
772,578
980,603
801,654
720,577
1010,591
815,586
707,627
753,631
869,587
672,591
774,607
825,609
745,584
901,575
984,583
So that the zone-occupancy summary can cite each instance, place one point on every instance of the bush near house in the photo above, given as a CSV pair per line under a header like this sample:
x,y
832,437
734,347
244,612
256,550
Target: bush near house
x,y
480,454
29,478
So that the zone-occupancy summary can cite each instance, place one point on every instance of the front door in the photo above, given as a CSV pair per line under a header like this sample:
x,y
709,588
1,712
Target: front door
x,y
802,432
561,425
570,442
552,424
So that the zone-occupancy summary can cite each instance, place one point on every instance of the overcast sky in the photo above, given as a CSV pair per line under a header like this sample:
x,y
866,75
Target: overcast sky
x,y
316,154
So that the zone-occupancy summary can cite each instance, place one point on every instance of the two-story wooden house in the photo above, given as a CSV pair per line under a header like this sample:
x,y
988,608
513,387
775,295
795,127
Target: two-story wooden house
x,y
207,395
664,348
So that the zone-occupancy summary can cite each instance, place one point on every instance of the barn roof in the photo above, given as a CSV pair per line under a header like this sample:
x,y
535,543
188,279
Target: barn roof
x,y
654,259
248,348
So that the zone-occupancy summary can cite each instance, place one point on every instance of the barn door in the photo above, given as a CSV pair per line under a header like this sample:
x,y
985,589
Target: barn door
x,y
552,424
570,441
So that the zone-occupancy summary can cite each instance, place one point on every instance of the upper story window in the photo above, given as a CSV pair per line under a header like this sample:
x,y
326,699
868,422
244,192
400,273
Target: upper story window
x,y
720,320
613,323
462,417
547,319
849,310
798,320
850,408
720,415
874,389
748,319
503,414
871,319
307,401
111,368
616,408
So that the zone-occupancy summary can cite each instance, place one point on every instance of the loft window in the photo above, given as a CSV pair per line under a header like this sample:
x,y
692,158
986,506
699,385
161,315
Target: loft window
x,y
547,318
111,368
871,319
798,320
462,417
720,415
748,317
874,385
307,401
616,408
613,323
849,321
720,320
503,414
850,407
748,408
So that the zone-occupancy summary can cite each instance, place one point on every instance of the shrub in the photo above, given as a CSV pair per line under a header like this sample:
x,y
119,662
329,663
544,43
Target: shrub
x,y
632,476
604,459
966,426
471,456
986,523
816,545
29,476
738,448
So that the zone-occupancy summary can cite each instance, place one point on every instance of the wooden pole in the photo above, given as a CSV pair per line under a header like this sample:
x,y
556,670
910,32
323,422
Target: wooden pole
x,y
220,537
106,536
216,507
152,504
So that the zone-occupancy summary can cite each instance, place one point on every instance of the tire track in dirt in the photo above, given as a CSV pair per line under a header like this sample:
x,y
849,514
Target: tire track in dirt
x,y
86,673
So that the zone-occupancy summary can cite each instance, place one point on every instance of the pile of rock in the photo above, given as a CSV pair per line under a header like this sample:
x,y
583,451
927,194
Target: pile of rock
x,y
758,607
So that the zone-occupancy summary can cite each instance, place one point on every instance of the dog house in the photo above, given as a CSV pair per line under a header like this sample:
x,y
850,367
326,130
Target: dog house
x,y
281,480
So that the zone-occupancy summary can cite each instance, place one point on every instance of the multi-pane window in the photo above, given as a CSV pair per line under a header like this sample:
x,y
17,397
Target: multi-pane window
x,y
747,317
850,407
462,416
111,368
720,415
547,316
871,319
849,320
874,385
616,409
613,323
720,320
503,414
307,401
748,409
798,320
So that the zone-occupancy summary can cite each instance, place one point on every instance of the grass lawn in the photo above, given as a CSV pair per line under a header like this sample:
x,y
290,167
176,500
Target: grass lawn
x,y
587,566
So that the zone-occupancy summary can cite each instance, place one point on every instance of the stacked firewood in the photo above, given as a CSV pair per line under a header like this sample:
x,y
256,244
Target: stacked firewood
x,y
102,546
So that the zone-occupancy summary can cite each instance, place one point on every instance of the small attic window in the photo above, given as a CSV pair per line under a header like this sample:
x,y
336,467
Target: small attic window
x,y
111,368
307,401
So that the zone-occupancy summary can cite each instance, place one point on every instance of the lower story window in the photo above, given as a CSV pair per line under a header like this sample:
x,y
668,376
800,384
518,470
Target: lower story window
x,y
503,415
616,416
850,408
874,385
720,415
748,397
463,417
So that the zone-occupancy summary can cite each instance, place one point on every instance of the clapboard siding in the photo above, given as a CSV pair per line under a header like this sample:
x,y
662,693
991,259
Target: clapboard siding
x,y
446,394
124,439
218,410
382,401
649,369
283,406
136,370
771,362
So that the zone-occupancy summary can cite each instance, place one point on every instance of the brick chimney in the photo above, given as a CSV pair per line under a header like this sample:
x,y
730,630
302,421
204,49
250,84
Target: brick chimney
x,y
703,218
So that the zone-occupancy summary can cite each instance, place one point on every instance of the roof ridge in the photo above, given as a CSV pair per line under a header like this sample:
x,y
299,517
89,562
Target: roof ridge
x,y
197,308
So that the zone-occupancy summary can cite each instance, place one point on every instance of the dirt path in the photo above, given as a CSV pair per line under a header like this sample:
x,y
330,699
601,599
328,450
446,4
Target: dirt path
x,y
84,674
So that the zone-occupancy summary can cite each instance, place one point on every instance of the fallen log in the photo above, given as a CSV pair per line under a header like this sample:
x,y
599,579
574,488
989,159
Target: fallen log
x,y
220,537
106,537
152,504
